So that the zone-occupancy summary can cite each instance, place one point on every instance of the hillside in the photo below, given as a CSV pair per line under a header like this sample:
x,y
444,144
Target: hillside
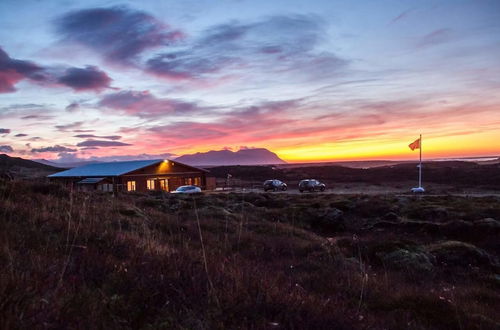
x,y
246,261
20,168
256,156
455,173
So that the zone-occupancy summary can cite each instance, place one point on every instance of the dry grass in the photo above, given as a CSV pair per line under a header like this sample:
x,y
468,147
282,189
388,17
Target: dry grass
x,y
247,261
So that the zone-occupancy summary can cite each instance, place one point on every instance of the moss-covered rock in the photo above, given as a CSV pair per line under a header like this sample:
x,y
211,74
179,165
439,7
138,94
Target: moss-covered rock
x,y
413,261
456,253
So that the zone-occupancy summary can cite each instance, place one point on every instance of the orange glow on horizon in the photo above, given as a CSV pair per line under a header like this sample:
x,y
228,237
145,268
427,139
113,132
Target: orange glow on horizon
x,y
481,144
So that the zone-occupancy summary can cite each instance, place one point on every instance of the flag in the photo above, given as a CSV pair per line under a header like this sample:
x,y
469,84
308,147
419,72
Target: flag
x,y
415,144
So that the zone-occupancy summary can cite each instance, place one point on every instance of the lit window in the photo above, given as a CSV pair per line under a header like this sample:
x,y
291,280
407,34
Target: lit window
x,y
197,181
151,184
130,185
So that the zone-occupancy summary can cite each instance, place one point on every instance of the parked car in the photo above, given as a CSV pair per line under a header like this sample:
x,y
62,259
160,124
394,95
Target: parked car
x,y
275,185
187,190
311,185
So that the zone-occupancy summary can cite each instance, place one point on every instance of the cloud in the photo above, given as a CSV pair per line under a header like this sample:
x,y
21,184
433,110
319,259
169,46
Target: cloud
x,y
72,106
56,148
276,44
37,117
102,143
401,16
6,148
12,71
88,78
119,33
107,137
4,131
79,79
21,135
63,128
243,124
145,105
435,37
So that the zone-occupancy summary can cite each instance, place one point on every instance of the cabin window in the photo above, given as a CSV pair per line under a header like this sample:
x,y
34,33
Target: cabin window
x,y
106,187
197,181
188,181
130,185
151,184
163,184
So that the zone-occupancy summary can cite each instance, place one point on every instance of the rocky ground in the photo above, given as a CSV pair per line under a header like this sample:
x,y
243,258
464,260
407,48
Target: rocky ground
x,y
248,261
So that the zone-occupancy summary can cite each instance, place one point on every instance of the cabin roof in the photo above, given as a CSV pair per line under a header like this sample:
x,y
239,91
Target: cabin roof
x,y
112,168
91,180
106,169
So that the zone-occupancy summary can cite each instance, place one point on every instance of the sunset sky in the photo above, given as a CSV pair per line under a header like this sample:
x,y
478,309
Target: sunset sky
x,y
310,80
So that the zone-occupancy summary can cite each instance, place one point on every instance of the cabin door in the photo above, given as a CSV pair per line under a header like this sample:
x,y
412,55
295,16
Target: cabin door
x,y
164,184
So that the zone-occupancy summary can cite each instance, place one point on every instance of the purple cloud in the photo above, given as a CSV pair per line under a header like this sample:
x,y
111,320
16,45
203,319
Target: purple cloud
x,y
12,71
102,143
66,127
145,105
290,46
37,117
4,131
80,79
119,33
21,135
88,78
6,148
56,148
107,137
72,106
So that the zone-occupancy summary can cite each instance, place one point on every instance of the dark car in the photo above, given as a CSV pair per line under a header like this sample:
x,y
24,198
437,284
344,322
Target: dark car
x,y
311,185
275,185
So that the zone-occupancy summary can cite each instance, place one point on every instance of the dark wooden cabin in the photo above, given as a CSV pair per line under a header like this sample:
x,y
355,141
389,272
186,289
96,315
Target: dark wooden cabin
x,y
137,175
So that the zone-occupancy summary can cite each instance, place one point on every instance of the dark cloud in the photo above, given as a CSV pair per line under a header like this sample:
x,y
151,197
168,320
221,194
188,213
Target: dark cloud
x,y
144,104
6,148
88,78
291,46
12,71
37,117
66,127
102,143
72,106
119,33
107,137
21,135
80,79
56,148
4,131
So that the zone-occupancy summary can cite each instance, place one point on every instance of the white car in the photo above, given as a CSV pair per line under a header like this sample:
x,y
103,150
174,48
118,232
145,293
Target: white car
x,y
187,190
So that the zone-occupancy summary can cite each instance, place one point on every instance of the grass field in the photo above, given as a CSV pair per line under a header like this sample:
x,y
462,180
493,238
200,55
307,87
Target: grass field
x,y
246,261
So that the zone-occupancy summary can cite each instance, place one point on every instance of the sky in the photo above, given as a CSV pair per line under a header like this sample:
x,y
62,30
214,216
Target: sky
x,y
309,80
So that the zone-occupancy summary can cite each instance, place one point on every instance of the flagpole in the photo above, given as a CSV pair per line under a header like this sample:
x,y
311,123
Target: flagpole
x,y
420,165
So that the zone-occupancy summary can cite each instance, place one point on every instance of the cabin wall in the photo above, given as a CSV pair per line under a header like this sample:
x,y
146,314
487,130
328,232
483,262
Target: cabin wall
x,y
167,176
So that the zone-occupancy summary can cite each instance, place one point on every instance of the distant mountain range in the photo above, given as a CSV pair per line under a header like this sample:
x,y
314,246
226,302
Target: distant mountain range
x,y
256,156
